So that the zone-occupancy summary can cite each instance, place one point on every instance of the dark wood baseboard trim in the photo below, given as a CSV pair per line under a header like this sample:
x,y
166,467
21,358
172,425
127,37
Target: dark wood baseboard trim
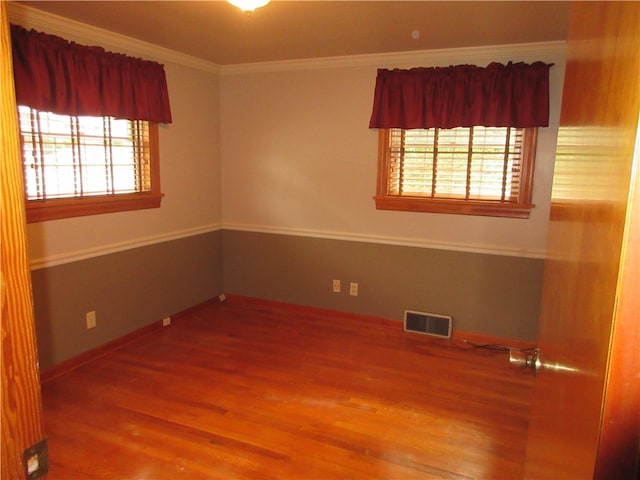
x,y
188,311
90,355
305,309
457,336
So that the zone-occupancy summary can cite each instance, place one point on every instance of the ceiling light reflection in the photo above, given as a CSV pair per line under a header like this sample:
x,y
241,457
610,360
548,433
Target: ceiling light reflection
x,y
248,5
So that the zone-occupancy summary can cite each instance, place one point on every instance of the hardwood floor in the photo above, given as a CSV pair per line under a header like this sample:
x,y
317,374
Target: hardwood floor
x,y
241,390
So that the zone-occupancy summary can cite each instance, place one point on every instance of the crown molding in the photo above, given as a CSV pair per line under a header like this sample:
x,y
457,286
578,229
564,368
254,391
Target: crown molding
x,y
519,52
73,30
76,31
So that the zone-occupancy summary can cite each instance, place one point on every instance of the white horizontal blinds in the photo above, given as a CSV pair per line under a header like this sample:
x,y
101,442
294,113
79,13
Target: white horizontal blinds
x,y
126,157
452,162
478,163
411,155
70,157
496,165
395,158
141,151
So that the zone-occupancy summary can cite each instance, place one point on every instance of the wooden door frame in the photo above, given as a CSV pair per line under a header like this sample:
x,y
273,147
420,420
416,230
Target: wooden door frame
x,y
21,424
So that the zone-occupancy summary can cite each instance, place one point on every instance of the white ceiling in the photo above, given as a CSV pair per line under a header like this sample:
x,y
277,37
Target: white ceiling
x,y
286,29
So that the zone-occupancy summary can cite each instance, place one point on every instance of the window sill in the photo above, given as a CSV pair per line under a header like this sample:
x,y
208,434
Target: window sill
x,y
40,211
455,207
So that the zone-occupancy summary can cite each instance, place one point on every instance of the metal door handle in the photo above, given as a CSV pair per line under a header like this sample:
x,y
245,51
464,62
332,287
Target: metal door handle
x,y
525,359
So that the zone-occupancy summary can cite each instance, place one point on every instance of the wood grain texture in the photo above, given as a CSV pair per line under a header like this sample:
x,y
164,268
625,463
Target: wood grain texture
x,y
21,403
578,336
619,449
249,390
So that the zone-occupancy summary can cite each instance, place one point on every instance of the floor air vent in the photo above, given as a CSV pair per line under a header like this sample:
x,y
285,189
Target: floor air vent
x,y
427,323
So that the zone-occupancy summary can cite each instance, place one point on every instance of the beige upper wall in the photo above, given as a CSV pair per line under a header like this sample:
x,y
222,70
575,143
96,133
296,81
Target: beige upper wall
x,y
298,156
285,147
190,179
189,158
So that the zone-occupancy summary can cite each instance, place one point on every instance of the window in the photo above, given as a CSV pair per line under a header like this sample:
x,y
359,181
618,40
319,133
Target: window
x,y
80,165
471,171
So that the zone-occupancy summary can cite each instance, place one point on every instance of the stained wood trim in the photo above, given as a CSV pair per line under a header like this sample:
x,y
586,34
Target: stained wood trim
x,y
40,211
53,209
458,207
305,309
457,336
510,209
90,355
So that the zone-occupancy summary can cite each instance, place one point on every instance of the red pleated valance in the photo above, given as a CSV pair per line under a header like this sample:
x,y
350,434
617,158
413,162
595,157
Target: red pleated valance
x,y
54,75
512,95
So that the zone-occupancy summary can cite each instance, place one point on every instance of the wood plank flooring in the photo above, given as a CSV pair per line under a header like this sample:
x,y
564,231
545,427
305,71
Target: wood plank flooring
x,y
238,390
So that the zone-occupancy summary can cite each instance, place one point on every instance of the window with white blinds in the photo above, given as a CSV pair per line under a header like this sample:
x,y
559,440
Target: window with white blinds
x,y
85,165
476,170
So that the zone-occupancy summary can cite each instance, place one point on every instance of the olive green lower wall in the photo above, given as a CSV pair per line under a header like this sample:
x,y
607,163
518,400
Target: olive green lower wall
x,y
128,290
487,294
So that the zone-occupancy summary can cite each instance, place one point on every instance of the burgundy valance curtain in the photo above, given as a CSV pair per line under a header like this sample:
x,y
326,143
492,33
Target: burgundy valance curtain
x,y
512,95
54,75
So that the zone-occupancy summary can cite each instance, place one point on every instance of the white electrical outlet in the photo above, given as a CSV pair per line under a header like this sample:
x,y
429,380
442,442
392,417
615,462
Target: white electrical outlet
x,y
353,289
91,319
166,321
336,286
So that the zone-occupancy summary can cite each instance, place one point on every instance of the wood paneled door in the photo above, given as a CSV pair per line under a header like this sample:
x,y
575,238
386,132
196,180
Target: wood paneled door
x,y
585,409
21,425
